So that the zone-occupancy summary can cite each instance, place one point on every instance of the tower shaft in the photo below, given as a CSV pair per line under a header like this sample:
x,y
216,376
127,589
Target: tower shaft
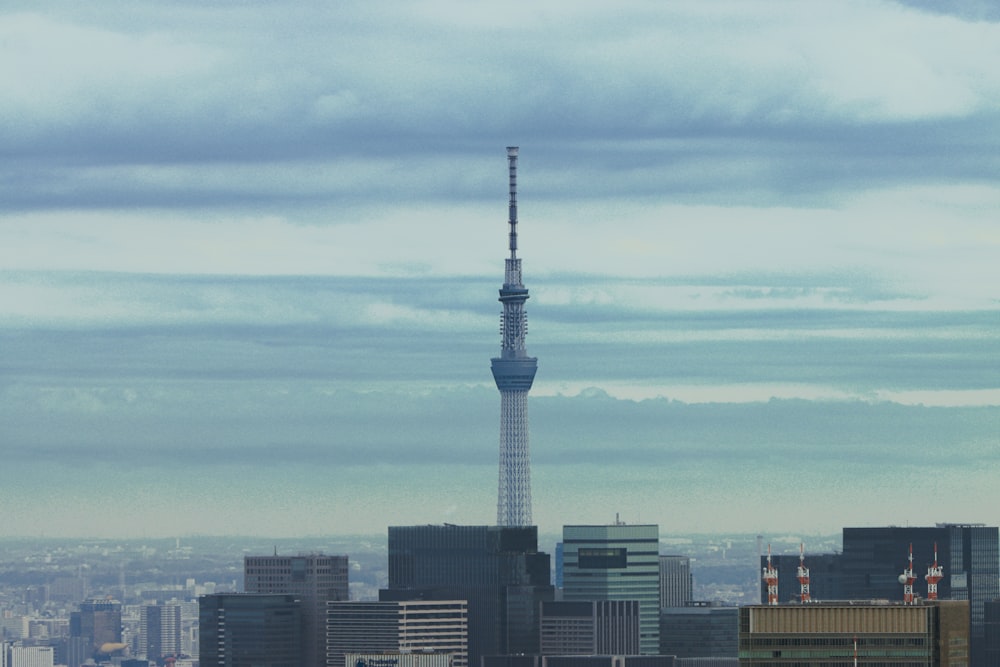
x,y
514,373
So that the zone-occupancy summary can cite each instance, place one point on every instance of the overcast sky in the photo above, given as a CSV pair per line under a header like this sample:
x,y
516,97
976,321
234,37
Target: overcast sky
x,y
250,253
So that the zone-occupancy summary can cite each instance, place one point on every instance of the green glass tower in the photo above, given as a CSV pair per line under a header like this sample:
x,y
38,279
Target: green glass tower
x,y
616,562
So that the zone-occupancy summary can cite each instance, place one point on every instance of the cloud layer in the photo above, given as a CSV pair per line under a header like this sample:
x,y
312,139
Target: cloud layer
x,y
249,257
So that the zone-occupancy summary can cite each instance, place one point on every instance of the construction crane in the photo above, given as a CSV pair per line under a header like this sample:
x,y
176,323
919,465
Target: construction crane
x,y
935,573
771,577
803,576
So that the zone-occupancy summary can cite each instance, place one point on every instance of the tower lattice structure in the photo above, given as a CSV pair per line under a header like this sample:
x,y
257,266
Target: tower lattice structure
x,y
514,372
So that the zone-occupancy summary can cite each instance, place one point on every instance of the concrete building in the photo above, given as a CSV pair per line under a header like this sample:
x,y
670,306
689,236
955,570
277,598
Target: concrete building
x,y
314,579
593,627
413,626
616,562
676,583
925,634
159,631
398,659
497,570
31,656
239,629
580,661
699,630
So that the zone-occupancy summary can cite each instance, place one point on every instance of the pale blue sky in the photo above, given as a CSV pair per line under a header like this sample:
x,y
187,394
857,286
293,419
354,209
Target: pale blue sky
x,y
249,257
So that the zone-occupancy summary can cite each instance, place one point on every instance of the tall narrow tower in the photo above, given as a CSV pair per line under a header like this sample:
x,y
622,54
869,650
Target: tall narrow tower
x,y
514,371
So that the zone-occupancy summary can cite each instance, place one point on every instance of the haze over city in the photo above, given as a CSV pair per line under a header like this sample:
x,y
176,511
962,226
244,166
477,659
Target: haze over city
x,y
250,253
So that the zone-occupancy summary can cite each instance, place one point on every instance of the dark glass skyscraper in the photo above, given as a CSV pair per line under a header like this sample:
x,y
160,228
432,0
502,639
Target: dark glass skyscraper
x,y
873,559
241,630
497,569
99,622
314,579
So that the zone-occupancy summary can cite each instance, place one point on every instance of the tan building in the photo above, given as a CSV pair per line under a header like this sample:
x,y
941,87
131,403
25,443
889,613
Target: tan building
x,y
876,633
407,626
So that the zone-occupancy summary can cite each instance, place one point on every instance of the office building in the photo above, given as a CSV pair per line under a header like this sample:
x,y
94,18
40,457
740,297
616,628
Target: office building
x,y
99,622
699,630
873,559
676,583
514,373
498,570
398,659
237,629
411,626
580,661
314,579
31,656
925,634
991,632
616,562
593,627
159,631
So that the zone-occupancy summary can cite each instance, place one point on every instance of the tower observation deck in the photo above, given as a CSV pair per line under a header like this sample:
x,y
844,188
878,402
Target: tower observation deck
x,y
514,372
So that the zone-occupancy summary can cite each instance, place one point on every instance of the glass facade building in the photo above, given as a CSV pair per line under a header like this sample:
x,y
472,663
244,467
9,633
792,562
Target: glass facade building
x,y
315,579
873,559
498,570
248,630
616,562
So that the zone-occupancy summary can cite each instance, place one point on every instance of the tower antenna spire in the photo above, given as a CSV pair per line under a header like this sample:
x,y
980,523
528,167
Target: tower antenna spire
x,y
803,576
907,579
771,578
935,573
514,373
512,205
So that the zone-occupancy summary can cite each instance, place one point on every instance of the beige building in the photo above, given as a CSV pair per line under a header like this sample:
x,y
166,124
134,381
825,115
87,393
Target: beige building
x,y
876,633
404,627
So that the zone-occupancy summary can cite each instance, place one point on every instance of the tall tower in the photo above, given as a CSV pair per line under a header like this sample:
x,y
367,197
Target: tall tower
x,y
514,371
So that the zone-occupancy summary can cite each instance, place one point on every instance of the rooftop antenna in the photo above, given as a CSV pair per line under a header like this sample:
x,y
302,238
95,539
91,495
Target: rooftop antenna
x,y
907,578
935,573
771,577
803,576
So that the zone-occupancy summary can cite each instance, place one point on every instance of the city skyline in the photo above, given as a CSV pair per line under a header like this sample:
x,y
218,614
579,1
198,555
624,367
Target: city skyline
x,y
253,251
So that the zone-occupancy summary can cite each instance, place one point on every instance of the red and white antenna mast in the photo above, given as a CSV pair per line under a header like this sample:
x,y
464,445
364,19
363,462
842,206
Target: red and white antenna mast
x,y
907,579
803,576
771,577
935,573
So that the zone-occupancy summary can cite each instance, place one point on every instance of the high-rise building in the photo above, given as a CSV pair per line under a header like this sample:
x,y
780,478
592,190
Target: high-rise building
x,y
873,559
514,373
616,562
991,631
238,629
315,579
699,630
410,626
31,656
99,621
498,570
925,634
675,581
593,627
160,631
